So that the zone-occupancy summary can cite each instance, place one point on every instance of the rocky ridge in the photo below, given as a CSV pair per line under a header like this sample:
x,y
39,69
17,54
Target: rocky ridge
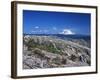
x,y
50,52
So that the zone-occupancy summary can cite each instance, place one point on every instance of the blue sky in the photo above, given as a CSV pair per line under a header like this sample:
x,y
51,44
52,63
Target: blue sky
x,y
45,22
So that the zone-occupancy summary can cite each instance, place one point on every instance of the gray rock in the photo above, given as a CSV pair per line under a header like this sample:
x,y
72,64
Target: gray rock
x,y
51,52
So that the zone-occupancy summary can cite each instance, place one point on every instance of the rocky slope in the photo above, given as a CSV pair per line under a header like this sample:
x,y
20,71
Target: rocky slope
x,y
50,52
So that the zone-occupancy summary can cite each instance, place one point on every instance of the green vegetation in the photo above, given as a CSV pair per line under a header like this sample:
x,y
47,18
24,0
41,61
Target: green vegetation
x,y
50,48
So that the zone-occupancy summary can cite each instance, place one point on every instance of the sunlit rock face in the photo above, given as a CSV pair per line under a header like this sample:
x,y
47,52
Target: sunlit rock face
x,y
53,51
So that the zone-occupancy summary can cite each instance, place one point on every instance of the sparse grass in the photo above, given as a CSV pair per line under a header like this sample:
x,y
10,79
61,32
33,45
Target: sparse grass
x,y
50,48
